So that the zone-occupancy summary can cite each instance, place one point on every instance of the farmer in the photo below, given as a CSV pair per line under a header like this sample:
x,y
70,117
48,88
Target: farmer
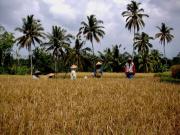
x,y
73,72
130,68
98,70
36,74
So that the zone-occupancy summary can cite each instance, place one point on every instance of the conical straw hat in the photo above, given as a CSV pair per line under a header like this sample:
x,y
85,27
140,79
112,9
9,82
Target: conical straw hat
x,y
73,66
98,63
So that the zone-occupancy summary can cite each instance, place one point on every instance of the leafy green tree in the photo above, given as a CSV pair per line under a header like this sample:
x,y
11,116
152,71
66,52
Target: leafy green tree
x,y
112,59
58,42
176,60
134,17
156,57
32,31
42,60
117,59
164,35
92,30
145,63
6,44
142,43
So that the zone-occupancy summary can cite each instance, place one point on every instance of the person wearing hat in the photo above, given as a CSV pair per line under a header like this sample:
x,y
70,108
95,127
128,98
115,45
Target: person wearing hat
x,y
36,74
73,72
130,68
98,70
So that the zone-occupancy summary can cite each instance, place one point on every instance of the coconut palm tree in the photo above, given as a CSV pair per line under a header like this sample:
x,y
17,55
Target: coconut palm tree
x,y
77,53
106,57
142,42
92,30
134,17
32,31
164,35
58,42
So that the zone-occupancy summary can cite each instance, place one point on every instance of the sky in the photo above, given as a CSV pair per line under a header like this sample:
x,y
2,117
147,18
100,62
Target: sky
x,y
70,13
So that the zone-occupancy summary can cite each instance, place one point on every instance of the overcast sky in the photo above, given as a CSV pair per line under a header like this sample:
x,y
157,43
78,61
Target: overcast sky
x,y
70,13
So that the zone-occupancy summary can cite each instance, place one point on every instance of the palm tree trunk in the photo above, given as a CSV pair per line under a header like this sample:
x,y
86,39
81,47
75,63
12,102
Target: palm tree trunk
x,y
165,53
30,53
133,45
94,66
164,50
55,66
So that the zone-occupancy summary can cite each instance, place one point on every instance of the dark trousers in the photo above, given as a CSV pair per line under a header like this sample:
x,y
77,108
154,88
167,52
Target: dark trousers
x,y
129,75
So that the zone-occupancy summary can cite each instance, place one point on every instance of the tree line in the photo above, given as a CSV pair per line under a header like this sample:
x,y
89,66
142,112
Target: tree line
x,y
57,50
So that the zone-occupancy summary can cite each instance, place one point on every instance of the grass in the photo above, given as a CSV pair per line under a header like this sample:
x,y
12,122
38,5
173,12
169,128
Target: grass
x,y
164,74
110,105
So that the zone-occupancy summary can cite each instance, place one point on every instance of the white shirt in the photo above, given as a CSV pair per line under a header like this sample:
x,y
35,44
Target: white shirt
x,y
129,67
73,75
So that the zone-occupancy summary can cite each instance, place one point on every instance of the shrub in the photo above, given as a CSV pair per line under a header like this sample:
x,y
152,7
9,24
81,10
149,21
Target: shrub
x,y
20,70
164,74
1,70
175,70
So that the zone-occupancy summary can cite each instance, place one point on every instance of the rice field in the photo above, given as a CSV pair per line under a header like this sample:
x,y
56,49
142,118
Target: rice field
x,y
112,105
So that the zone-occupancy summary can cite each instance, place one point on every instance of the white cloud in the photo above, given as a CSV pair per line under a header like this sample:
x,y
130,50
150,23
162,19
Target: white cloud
x,y
154,11
121,2
100,8
61,8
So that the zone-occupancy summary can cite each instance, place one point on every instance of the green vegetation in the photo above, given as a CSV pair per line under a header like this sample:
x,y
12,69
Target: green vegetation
x,y
92,30
58,50
32,33
59,43
167,77
164,35
134,17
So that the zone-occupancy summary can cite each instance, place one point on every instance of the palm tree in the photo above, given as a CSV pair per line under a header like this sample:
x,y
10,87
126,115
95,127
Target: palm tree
x,y
164,35
59,40
92,30
112,59
142,42
134,17
156,55
32,33
78,52
106,57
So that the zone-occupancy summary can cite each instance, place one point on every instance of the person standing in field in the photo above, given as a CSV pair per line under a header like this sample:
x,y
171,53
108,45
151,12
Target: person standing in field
x,y
130,68
98,72
73,72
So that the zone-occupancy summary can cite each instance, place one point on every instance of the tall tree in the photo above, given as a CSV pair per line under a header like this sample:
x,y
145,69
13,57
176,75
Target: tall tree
x,y
156,59
112,59
42,60
145,63
32,31
164,35
134,17
92,30
106,57
6,44
58,41
142,42
78,52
